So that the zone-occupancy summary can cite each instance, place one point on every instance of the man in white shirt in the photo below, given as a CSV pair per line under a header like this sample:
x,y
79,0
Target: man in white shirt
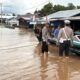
x,y
64,38
45,39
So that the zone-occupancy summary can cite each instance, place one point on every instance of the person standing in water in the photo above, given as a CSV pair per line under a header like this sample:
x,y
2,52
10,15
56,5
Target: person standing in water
x,y
65,37
45,39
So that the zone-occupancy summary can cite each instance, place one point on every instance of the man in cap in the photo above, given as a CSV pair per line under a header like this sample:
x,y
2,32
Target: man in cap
x,y
64,38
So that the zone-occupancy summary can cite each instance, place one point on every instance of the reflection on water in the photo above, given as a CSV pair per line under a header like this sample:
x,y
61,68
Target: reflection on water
x,y
20,59
63,70
43,67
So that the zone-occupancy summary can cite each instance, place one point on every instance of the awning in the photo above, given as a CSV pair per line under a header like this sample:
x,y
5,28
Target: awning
x,y
33,23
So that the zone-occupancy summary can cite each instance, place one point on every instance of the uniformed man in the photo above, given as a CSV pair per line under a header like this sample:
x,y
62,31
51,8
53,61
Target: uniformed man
x,y
45,39
64,38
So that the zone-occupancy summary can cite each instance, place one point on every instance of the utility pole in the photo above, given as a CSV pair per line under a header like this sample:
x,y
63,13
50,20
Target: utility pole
x,y
49,1
1,18
1,12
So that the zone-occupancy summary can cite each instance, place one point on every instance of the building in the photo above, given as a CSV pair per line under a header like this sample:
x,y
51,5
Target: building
x,y
72,15
25,19
5,17
29,20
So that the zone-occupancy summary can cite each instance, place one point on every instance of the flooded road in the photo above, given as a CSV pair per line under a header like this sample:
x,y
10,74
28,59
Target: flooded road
x,y
20,59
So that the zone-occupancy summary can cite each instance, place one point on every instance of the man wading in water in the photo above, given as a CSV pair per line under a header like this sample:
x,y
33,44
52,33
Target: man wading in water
x,y
65,37
45,39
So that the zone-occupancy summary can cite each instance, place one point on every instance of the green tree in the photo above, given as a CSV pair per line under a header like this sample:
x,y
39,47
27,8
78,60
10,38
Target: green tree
x,y
70,6
59,8
49,8
78,7
14,14
46,10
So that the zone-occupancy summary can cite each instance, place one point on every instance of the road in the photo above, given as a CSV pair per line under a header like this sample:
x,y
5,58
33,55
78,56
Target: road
x,y
20,58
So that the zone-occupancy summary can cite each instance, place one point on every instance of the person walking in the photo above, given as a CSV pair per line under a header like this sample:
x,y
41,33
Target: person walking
x,y
45,39
65,37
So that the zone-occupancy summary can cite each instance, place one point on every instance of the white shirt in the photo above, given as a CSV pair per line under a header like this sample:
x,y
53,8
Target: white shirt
x,y
68,31
45,34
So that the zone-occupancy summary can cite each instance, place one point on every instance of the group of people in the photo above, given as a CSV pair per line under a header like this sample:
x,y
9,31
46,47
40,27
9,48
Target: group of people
x,y
64,37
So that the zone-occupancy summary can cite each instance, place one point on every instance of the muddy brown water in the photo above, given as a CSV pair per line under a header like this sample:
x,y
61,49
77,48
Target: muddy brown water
x,y
20,59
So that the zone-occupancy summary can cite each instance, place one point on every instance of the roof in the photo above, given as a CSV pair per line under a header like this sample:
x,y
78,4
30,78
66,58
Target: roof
x,y
6,17
71,18
26,18
63,14
27,15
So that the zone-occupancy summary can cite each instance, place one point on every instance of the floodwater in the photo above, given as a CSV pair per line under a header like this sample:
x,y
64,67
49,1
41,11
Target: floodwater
x,y
20,58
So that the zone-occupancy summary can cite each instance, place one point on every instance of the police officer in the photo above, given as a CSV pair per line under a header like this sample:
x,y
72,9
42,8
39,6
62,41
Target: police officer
x,y
45,39
64,38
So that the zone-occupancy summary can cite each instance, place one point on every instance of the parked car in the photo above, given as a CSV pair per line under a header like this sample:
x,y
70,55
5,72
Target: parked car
x,y
52,40
76,45
77,33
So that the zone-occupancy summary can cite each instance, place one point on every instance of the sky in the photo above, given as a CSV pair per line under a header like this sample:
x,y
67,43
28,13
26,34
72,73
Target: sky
x,y
25,6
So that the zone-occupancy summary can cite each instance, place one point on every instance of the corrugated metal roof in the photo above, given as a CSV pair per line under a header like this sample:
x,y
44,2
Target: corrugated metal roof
x,y
6,17
63,14
71,18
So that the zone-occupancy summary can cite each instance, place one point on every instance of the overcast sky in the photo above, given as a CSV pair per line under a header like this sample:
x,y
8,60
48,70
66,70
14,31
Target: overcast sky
x,y
24,6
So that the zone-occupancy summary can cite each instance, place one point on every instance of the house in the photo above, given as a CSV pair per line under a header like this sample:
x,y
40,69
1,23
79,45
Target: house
x,y
72,15
29,20
25,19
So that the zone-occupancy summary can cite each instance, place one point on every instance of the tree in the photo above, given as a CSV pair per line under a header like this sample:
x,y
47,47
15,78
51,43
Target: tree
x,y
49,8
71,6
14,14
46,10
78,7
35,12
59,8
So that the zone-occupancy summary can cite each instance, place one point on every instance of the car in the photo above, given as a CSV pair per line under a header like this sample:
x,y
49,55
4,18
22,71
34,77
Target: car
x,y
52,40
77,33
76,45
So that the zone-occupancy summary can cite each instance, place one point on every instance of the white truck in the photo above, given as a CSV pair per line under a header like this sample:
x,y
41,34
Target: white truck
x,y
12,22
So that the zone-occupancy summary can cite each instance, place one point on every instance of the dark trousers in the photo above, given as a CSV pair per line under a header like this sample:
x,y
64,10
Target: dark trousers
x,y
44,47
39,38
64,48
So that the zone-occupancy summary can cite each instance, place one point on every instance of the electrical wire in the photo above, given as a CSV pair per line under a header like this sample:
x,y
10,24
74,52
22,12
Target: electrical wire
x,y
36,6
33,6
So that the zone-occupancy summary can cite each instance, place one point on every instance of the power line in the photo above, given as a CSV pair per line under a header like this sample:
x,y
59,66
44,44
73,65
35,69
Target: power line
x,y
38,5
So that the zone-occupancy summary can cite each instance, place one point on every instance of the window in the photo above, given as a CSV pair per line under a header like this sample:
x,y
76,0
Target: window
x,y
75,39
79,37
